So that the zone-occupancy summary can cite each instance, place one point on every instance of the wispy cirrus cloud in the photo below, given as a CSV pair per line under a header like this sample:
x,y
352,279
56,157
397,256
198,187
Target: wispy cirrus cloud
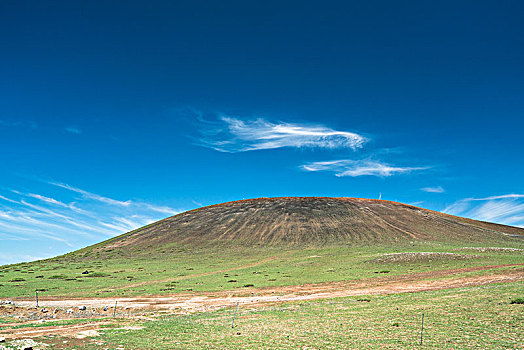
x,y
8,199
18,123
437,189
94,196
73,130
7,258
235,135
504,196
505,209
69,218
354,168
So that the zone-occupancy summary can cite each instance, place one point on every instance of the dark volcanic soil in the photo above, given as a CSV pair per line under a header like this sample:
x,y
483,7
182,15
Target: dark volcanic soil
x,y
301,221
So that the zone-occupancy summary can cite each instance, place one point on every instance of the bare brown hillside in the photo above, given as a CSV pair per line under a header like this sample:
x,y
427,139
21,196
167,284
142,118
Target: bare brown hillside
x,y
309,221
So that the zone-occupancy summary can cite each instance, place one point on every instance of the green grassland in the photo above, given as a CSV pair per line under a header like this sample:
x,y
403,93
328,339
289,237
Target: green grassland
x,y
177,269
464,318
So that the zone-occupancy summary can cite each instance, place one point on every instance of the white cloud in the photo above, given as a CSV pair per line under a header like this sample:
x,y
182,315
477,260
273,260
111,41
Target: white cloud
x,y
437,189
18,123
235,135
15,258
354,168
8,199
505,209
73,130
20,232
46,199
504,196
47,211
197,203
106,200
89,195
68,221
161,209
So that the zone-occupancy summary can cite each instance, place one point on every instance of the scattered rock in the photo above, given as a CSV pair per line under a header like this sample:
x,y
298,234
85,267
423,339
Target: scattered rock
x,y
44,310
88,333
85,272
2,340
491,249
24,344
421,257
83,307
105,308
70,311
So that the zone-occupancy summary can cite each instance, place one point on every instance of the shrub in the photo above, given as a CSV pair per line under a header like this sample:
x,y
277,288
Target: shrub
x,y
17,280
517,301
97,274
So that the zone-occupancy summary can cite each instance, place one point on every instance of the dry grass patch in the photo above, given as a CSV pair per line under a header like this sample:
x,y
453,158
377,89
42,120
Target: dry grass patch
x,y
492,249
421,257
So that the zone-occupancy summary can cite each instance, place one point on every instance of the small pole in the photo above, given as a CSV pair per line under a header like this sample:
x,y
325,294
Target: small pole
x,y
234,316
114,311
36,297
422,329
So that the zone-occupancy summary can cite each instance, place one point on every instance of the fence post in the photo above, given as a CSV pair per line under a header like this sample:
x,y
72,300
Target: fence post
x,y
114,311
234,316
422,329
36,297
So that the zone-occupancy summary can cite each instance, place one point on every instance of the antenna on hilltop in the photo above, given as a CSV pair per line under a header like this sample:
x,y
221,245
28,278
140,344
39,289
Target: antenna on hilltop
x,y
380,195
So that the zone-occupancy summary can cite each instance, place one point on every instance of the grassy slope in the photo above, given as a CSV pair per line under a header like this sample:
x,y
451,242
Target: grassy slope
x,y
211,269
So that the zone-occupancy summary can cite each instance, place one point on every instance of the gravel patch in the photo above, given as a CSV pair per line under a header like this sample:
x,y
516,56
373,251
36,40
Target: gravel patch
x,y
422,256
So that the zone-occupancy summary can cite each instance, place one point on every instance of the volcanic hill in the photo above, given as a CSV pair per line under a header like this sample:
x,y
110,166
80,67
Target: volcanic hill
x,y
307,221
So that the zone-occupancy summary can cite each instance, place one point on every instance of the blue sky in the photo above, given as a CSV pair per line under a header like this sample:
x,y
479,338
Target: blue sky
x,y
117,114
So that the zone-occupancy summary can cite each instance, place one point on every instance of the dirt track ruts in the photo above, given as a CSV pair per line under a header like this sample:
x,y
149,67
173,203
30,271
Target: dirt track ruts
x,y
203,301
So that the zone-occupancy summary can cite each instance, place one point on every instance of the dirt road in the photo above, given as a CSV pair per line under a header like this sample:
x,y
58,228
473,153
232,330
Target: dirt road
x,y
205,301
